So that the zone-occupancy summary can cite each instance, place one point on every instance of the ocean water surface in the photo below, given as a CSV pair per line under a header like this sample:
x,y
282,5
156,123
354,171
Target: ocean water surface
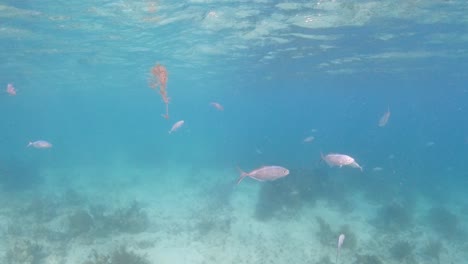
x,y
384,82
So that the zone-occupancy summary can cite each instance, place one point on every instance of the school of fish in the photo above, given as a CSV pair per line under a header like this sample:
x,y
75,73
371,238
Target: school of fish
x,y
264,173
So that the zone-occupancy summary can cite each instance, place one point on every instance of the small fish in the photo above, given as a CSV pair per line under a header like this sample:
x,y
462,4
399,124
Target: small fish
x,y
176,126
265,173
377,169
258,151
384,119
217,106
11,89
340,160
430,144
40,144
341,239
308,139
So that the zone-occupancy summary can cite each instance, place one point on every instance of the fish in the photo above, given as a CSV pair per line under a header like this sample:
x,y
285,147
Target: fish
x,y
340,160
384,119
11,89
40,144
341,239
377,169
430,144
218,106
265,173
176,126
308,139
258,151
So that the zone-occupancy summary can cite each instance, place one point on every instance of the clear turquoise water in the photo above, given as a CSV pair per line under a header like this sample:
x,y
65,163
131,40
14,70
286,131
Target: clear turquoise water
x,y
280,69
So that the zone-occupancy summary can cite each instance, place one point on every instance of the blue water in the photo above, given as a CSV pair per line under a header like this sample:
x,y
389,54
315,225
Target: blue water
x,y
283,71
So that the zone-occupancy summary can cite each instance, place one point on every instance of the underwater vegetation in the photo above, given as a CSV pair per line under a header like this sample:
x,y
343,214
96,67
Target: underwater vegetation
x,y
42,208
80,222
325,234
284,198
25,252
131,219
445,223
351,238
120,255
328,237
208,225
16,175
393,217
276,200
219,195
402,251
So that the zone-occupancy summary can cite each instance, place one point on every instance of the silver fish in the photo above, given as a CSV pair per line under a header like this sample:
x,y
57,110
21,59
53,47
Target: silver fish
x,y
308,139
41,144
384,119
340,160
341,239
176,126
265,173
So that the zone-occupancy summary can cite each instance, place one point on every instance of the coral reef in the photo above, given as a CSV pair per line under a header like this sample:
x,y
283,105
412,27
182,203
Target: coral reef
x,y
402,251
120,255
25,252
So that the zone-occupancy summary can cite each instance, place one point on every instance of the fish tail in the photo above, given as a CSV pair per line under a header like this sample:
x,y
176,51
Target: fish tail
x,y
242,175
323,157
359,167
29,144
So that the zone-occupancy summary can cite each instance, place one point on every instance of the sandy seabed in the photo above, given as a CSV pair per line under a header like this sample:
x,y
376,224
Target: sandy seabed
x,y
200,216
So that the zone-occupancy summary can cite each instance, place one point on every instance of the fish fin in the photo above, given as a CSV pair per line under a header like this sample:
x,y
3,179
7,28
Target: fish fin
x,y
357,166
243,174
